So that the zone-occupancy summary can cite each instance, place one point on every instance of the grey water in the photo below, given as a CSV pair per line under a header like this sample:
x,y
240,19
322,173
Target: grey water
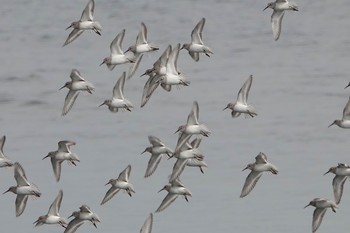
x,y
298,90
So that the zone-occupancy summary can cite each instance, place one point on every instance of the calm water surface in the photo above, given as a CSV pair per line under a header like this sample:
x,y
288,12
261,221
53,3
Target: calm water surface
x,y
297,91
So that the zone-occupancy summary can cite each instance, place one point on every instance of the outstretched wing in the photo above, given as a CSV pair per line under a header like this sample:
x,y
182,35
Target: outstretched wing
x,y
250,182
276,21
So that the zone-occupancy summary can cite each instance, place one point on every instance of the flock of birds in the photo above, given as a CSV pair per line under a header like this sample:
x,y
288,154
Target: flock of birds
x,y
165,73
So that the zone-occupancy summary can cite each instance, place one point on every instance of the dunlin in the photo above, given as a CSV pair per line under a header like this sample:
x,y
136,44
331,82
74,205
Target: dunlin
x,y
53,216
83,215
321,205
63,153
173,76
257,169
24,189
157,149
118,101
117,55
159,67
121,183
197,46
155,73
279,6
77,84
185,153
345,121
342,171
175,189
86,22
142,46
241,105
86,214
191,127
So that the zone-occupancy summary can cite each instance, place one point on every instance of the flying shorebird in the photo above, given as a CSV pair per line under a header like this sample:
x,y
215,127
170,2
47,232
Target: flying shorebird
x,y
80,217
159,66
24,189
4,161
85,213
197,161
86,22
197,46
157,71
241,106
77,84
141,45
321,205
122,182
118,101
53,216
117,55
188,152
63,153
157,149
257,169
175,189
191,127
279,6
345,121
172,75
342,171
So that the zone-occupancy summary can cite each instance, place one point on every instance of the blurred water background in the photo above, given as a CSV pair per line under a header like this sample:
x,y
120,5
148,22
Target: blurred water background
x,y
297,91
